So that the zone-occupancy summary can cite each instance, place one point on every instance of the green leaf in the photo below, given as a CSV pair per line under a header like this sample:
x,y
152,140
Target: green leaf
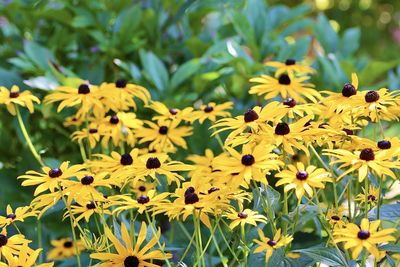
x,y
375,70
325,255
38,54
390,212
325,34
244,29
185,71
154,69
390,248
350,41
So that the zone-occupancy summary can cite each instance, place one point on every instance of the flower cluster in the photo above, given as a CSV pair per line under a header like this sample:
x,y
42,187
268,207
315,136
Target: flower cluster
x,y
311,145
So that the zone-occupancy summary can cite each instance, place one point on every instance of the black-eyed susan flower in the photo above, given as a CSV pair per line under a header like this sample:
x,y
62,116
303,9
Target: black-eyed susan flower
x,y
114,162
64,248
15,97
46,201
302,179
164,134
119,96
26,258
51,178
335,217
290,66
293,109
375,105
19,214
141,203
251,164
141,188
10,245
85,210
211,111
153,164
247,216
269,245
129,254
285,86
170,114
371,196
119,128
365,236
203,165
85,97
85,189
363,161
90,134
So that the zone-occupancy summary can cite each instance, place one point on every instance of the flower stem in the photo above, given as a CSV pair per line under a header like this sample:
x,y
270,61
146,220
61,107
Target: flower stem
x,y
27,138
267,208
378,208
366,197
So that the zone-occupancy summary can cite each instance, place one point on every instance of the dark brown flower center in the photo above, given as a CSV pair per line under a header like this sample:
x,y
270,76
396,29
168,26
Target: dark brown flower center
x,y
284,79
208,109
91,205
14,94
335,218
83,89
301,175
93,131
242,215
367,154
191,198
250,115
384,144
163,130
248,160
126,159
371,197
56,172
3,240
87,180
348,131
290,61
348,90
11,216
114,119
173,111
371,96
153,163
363,234
290,102
272,242
143,199
68,244
189,190
131,261
282,128
121,83
142,188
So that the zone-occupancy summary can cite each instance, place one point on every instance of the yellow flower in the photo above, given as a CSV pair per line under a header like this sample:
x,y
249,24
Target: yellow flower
x,y
364,160
51,178
285,86
142,203
87,209
164,134
140,188
12,245
64,248
202,164
366,236
376,104
14,97
246,216
119,96
302,179
170,114
211,111
91,135
335,217
86,97
19,214
372,196
119,128
26,258
290,66
44,202
251,164
269,245
129,254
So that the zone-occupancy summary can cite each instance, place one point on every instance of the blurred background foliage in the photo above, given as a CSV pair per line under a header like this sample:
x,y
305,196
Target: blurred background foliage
x,y
184,52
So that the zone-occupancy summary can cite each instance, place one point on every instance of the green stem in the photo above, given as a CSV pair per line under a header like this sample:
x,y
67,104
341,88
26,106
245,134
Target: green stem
x,y
27,138
378,208
40,242
285,211
267,207
366,197
219,140
227,243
